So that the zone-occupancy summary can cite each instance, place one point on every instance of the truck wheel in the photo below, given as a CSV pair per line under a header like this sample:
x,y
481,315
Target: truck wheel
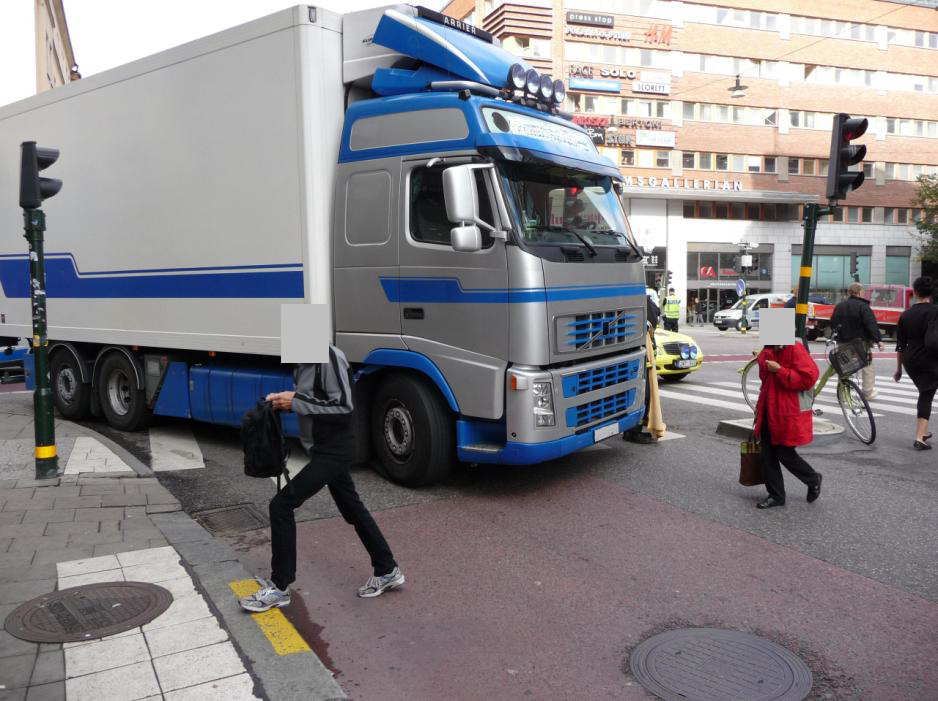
x,y
412,430
124,405
72,397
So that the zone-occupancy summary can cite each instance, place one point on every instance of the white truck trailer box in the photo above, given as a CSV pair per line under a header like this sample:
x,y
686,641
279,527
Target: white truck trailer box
x,y
209,202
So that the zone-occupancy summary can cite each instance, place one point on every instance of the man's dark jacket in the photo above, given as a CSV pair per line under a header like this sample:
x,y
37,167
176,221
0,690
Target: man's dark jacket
x,y
855,319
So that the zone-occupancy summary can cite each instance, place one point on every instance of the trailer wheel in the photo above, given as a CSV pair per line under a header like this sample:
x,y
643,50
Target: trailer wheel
x,y
124,405
72,397
412,430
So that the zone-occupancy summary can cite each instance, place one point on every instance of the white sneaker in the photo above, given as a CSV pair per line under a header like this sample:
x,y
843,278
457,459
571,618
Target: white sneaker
x,y
265,598
376,586
871,396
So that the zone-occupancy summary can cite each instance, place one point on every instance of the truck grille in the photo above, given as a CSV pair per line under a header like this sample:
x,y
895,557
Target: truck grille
x,y
597,329
599,409
598,378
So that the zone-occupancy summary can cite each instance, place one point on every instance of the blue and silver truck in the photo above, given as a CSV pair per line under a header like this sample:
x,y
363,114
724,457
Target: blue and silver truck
x,y
466,239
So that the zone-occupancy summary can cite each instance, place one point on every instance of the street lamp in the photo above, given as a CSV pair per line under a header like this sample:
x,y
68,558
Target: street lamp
x,y
738,90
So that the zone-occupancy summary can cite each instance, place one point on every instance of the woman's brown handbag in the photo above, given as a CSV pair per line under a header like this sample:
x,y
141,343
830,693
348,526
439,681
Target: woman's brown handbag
x,y
750,463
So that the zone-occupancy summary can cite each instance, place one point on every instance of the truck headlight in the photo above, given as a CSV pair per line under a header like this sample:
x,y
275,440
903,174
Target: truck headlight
x,y
543,403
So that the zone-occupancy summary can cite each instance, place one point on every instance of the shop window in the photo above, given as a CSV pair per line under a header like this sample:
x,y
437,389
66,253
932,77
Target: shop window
x,y
793,166
687,159
705,161
866,215
897,270
693,270
853,215
768,212
709,265
628,157
728,265
719,210
722,161
689,212
737,210
752,211
704,210
769,164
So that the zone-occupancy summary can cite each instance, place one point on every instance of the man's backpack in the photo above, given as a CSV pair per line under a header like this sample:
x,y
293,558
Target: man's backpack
x,y
265,448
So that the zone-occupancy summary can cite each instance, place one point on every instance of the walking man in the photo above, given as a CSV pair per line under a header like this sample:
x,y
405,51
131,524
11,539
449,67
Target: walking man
x,y
323,400
671,310
853,319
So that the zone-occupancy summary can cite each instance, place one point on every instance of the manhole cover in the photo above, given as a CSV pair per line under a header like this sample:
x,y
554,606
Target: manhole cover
x,y
231,519
707,664
88,612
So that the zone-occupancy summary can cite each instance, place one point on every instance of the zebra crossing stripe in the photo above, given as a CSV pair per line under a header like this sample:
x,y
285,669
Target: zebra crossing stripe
x,y
174,448
709,401
821,402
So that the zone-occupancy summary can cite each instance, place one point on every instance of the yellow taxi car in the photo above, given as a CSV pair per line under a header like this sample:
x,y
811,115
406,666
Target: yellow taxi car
x,y
676,356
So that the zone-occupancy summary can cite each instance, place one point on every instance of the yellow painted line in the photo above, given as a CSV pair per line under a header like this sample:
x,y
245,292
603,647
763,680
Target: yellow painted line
x,y
806,271
45,451
801,309
280,632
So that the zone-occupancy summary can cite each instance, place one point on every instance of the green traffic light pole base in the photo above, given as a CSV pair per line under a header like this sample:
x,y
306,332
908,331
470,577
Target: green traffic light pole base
x,y
47,461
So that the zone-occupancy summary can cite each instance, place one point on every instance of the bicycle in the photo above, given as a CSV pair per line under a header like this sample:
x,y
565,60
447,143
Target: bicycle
x,y
853,404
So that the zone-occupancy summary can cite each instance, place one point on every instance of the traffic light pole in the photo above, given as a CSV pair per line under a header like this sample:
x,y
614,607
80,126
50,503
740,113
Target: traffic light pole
x,y
811,214
47,462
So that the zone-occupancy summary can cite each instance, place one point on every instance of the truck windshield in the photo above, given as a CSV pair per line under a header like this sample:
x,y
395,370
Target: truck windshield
x,y
554,205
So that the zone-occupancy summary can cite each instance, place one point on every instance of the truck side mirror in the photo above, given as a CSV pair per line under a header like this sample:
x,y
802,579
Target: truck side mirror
x,y
460,195
466,239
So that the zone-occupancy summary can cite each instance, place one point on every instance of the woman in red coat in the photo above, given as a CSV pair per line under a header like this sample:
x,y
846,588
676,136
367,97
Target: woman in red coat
x,y
780,422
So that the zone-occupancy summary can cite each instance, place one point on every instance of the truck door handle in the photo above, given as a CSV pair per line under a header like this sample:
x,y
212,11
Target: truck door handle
x,y
413,312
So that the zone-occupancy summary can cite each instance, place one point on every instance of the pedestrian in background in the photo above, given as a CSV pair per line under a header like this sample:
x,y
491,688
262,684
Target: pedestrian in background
x,y
781,423
671,311
323,400
912,354
853,319
692,310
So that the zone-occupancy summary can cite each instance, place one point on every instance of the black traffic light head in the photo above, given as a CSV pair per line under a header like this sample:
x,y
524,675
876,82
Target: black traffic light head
x,y
840,180
33,189
854,267
669,277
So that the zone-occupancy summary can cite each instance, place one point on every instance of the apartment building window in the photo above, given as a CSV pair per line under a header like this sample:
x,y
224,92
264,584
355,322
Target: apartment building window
x,y
645,108
687,160
753,164
663,159
822,166
737,163
793,166
866,215
769,164
902,215
838,215
628,157
705,161
853,215
722,161
807,166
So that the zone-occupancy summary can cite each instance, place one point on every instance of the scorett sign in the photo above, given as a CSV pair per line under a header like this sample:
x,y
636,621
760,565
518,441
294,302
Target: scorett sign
x,y
687,183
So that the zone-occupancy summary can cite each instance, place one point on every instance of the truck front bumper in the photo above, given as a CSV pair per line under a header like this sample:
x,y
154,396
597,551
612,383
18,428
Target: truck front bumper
x,y
556,411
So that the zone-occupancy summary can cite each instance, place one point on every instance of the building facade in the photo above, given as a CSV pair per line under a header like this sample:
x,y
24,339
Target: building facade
x,y
35,48
706,167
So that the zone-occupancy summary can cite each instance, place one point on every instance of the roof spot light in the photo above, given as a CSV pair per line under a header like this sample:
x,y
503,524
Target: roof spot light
x,y
560,91
532,81
547,87
517,77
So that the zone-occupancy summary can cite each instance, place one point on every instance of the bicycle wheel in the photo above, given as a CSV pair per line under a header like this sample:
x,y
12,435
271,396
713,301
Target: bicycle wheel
x,y
752,384
856,411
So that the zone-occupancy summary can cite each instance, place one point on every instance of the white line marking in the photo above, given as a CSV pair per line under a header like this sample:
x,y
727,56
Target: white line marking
x,y
90,455
739,394
742,408
296,462
174,448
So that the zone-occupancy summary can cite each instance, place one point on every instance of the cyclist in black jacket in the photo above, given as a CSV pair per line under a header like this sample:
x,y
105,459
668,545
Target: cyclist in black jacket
x,y
853,319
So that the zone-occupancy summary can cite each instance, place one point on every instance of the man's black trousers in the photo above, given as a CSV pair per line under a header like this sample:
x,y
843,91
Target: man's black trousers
x,y
330,469
670,324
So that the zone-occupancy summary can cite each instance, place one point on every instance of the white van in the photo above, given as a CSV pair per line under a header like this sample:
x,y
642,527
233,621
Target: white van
x,y
732,317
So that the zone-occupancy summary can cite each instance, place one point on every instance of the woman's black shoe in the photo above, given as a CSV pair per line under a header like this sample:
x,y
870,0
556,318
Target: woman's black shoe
x,y
921,445
769,502
926,437
815,491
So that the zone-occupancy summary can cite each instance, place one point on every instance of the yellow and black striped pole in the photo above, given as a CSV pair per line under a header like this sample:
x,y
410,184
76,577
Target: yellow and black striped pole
x,y
811,214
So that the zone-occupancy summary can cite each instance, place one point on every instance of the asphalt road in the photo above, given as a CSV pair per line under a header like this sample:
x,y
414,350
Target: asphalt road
x,y
536,582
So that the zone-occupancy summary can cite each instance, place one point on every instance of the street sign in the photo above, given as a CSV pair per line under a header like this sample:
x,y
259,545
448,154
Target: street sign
x,y
740,286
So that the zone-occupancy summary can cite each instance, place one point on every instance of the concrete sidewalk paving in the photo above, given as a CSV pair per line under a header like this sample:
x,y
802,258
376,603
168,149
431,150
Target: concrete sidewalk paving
x,y
106,518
